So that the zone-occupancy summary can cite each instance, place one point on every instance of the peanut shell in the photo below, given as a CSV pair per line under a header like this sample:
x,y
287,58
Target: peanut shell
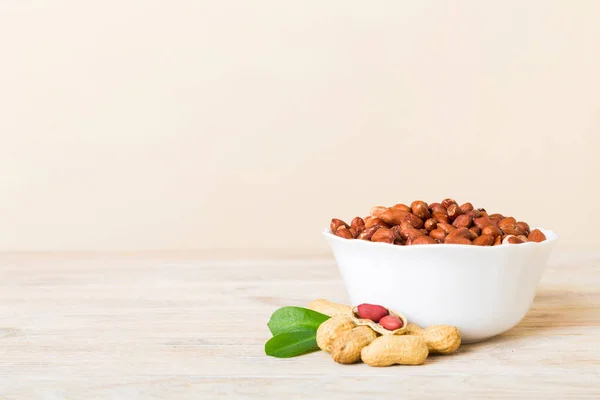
x,y
332,329
389,350
329,308
346,348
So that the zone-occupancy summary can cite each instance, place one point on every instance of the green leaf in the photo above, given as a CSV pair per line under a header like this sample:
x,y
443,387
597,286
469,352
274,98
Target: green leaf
x,y
292,344
291,319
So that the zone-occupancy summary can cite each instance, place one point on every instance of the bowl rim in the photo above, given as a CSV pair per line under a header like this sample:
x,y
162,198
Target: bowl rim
x,y
551,237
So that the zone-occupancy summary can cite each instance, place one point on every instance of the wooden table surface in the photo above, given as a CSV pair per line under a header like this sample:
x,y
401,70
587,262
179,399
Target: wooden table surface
x,y
103,327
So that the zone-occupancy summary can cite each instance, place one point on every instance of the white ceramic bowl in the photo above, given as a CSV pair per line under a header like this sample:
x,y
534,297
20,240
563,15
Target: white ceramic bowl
x,y
483,291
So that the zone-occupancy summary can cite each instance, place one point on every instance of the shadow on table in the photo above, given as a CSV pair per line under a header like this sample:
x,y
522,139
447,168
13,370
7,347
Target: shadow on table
x,y
551,310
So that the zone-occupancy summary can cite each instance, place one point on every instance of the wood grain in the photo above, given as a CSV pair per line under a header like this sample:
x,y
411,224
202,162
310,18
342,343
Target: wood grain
x,y
95,327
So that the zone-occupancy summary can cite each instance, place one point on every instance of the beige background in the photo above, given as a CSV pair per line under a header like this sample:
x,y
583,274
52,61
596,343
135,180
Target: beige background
x,y
248,124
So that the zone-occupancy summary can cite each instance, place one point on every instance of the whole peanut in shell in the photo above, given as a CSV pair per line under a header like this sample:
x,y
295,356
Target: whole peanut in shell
x,y
329,308
389,350
331,329
347,347
440,339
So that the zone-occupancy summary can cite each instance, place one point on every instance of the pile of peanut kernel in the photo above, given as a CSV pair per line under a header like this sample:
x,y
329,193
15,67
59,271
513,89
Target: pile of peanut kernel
x,y
445,222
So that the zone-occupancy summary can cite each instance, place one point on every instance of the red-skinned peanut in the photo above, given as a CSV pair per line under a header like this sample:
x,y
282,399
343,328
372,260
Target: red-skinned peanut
x,y
391,322
373,312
